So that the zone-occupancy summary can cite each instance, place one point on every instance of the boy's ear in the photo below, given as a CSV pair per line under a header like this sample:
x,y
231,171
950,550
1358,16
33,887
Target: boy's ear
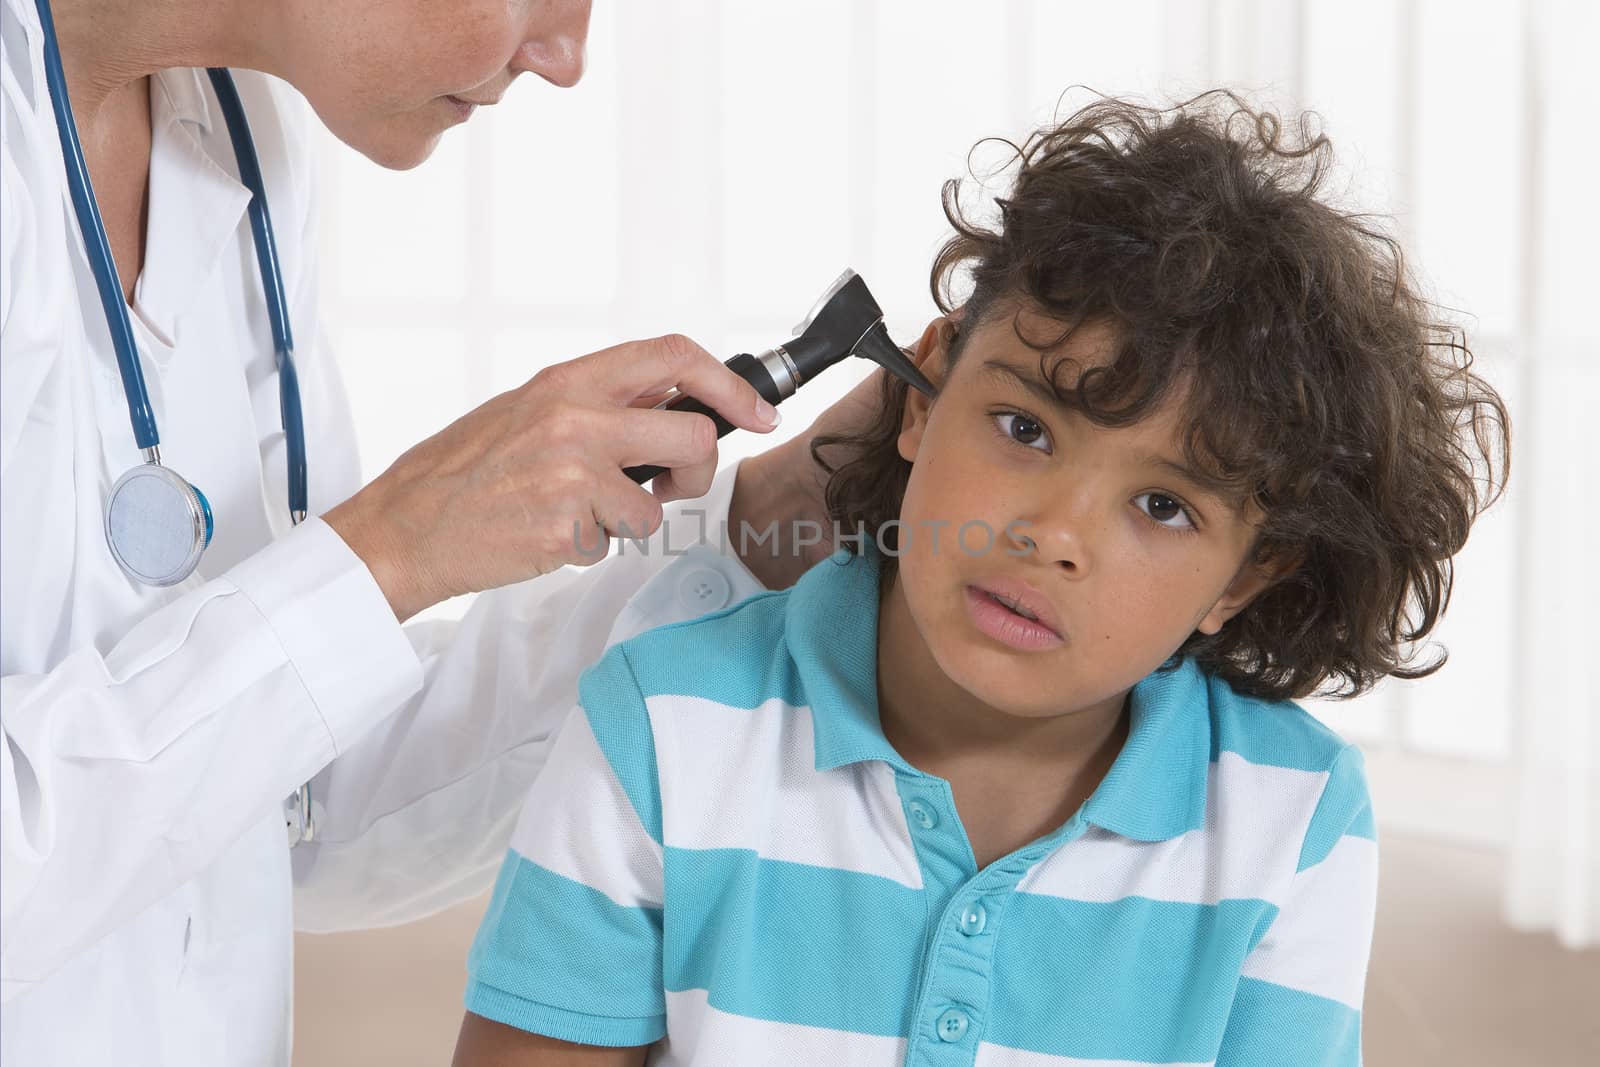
x,y
931,355
1253,578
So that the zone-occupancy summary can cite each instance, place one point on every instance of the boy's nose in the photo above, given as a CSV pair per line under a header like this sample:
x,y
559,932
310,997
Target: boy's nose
x,y
1054,542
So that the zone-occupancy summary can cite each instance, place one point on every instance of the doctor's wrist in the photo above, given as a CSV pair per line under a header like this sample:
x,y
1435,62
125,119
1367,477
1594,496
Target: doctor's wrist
x,y
375,543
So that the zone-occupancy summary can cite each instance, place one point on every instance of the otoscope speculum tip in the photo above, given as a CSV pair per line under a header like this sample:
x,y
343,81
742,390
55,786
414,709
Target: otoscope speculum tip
x,y
878,346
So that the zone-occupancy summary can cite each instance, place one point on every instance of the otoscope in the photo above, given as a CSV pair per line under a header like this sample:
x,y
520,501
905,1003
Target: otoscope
x,y
846,321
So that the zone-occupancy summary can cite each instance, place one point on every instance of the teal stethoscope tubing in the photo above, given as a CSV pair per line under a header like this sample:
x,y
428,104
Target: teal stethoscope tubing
x,y
110,286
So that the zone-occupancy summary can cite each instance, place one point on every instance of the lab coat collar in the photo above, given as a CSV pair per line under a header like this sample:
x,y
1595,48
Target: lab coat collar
x,y
197,206
1156,788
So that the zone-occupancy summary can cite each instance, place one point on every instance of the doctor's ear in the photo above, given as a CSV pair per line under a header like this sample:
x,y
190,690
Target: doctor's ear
x,y
931,354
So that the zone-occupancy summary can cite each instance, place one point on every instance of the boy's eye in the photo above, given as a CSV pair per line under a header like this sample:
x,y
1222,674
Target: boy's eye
x,y
1163,509
1023,429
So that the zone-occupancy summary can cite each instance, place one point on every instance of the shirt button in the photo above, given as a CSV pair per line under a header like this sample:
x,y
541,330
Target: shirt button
x,y
703,590
923,815
952,1025
973,919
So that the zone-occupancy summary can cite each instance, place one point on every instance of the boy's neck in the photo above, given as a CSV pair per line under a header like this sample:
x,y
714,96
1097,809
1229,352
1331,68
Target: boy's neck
x,y
942,729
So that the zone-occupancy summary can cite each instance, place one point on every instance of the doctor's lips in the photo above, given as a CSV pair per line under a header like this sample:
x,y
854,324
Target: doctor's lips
x,y
464,107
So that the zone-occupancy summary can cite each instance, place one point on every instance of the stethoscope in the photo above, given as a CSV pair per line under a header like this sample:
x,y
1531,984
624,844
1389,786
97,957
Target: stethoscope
x,y
157,524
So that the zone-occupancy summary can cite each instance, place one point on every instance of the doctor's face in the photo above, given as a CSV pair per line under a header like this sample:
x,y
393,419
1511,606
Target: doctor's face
x,y
388,77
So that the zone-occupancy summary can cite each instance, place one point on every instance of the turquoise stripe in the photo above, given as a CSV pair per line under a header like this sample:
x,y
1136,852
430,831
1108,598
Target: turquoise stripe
x,y
1277,733
1344,808
621,727
1364,826
792,943
547,942
698,656
1273,1025
1137,979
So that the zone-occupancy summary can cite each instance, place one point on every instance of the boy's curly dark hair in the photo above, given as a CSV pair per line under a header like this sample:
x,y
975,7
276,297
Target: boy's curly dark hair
x,y
1315,380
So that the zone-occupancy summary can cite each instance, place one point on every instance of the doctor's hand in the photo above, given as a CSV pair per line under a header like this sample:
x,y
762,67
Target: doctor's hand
x,y
533,480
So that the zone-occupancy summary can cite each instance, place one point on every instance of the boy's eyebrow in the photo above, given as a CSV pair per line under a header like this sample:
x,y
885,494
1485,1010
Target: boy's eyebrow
x,y
1187,473
1001,370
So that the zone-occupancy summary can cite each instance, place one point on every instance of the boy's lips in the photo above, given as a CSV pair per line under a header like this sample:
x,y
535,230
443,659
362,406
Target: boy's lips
x,y
1019,594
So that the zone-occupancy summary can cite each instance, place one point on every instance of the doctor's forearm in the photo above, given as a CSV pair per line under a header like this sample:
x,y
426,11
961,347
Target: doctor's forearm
x,y
770,504
781,492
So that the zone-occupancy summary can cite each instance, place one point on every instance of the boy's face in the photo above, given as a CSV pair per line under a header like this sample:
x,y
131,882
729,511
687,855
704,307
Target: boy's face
x,y
1124,555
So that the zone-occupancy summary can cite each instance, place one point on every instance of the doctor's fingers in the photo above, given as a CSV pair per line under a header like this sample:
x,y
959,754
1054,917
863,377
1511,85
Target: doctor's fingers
x,y
679,440
685,483
628,371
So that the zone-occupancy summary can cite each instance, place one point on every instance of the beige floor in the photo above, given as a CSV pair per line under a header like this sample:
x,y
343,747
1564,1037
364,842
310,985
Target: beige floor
x,y
1449,986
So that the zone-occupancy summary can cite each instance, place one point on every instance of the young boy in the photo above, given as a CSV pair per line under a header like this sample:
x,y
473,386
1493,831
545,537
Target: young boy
x,y
1017,780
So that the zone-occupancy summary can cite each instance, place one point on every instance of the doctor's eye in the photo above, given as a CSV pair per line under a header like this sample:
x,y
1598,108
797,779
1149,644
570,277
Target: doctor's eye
x,y
1022,429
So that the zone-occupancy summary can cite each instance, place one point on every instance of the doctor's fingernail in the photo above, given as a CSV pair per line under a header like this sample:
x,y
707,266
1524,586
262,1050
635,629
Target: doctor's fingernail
x,y
767,413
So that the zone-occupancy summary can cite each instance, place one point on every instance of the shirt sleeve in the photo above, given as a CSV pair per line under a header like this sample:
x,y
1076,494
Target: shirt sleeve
x,y
1298,1002
125,772
417,816
571,944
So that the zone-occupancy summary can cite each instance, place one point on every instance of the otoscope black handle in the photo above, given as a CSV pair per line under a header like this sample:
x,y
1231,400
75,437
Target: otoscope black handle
x,y
745,366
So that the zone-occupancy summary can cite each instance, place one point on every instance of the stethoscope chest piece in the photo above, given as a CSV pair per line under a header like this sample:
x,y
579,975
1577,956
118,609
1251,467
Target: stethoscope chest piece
x,y
157,525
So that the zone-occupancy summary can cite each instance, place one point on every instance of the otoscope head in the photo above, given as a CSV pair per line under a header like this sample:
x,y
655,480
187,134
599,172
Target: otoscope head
x,y
847,321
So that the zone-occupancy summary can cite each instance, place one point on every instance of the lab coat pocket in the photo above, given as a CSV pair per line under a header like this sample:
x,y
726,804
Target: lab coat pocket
x,y
174,669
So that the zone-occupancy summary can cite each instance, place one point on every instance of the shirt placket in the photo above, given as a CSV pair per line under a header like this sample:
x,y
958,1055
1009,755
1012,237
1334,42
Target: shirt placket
x,y
967,909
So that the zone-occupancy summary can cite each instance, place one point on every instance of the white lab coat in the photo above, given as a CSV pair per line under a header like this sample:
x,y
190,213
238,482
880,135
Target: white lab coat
x,y
150,735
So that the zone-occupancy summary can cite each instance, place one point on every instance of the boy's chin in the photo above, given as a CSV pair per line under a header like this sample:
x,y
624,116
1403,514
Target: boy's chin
x,y
1018,686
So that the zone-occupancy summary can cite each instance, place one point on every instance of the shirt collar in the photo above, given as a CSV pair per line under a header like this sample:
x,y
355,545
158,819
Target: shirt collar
x,y
832,630
1156,788
186,95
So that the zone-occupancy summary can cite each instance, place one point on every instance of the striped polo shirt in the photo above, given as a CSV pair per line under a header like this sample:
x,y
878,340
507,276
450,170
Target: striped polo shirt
x,y
724,854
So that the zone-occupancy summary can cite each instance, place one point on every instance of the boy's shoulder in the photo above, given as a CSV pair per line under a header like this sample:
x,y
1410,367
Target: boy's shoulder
x,y
1307,759
1278,733
726,655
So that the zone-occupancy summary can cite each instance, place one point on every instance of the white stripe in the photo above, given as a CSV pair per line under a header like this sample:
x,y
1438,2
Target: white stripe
x,y
574,793
746,778
1000,1056
700,1035
1320,940
1256,819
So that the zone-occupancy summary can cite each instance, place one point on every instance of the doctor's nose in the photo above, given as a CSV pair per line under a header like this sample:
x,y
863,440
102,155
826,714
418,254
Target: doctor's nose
x,y
554,49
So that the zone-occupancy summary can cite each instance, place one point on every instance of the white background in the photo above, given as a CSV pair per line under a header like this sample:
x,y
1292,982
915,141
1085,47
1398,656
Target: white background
x,y
722,162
